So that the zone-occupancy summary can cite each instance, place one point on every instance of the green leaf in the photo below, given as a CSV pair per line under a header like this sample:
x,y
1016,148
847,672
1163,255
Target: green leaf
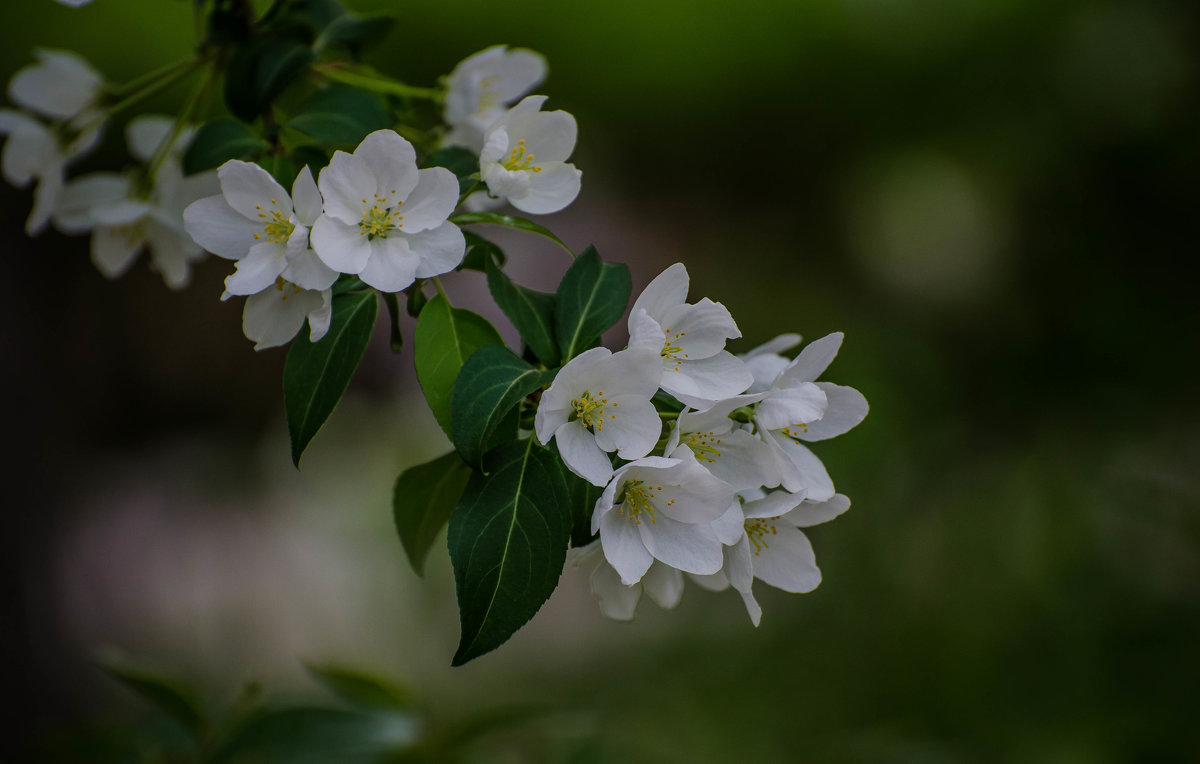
x,y
508,221
491,383
459,160
423,499
340,114
162,693
282,169
310,155
480,252
316,374
306,735
592,296
355,33
303,19
444,339
359,689
260,70
532,312
508,541
219,141
583,501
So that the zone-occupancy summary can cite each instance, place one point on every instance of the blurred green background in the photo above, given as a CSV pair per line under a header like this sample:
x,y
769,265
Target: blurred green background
x,y
995,200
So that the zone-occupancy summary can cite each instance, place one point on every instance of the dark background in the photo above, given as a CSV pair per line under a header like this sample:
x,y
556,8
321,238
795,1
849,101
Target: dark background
x,y
995,201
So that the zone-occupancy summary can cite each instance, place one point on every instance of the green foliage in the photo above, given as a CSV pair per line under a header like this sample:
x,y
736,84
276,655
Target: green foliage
x,y
340,114
480,252
260,70
302,19
508,221
591,297
444,339
491,383
162,693
282,169
422,502
217,142
508,542
359,689
316,374
458,160
355,33
583,500
531,311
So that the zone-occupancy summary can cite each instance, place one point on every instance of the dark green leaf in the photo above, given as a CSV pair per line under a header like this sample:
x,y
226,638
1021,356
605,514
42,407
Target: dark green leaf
x,y
532,312
163,694
217,142
491,383
307,736
444,339
311,156
260,70
340,114
508,221
583,500
360,689
459,160
316,374
355,33
480,251
423,499
508,541
281,168
301,19
592,296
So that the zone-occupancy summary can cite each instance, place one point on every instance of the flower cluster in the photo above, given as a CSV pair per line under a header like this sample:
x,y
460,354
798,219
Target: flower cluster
x,y
722,496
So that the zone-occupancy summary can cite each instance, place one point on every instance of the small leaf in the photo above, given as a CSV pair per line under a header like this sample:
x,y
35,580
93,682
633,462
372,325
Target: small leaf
x,y
260,70
480,252
360,689
340,114
422,501
583,501
491,383
459,160
591,298
508,541
219,141
162,693
317,374
444,339
532,312
356,33
508,221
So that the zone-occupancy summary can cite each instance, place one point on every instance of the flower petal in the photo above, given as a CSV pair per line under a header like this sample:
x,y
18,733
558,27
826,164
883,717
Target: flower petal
x,y
690,547
252,192
431,201
214,225
775,346
306,197
847,407
144,134
730,527
340,246
788,562
700,330
623,548
438,250
392,161
581,454
667,290
59,86
171,254
702,383
800,469
274,316
258,269
809,513
664,585
73,215
392,265
798,404
113,250
320,316
631,427
617,601
347,185
814,358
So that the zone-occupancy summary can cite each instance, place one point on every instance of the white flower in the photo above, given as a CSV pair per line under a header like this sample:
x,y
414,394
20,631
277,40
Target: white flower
x,y
61,86
722,446
771,547
254,221
74,3
765,361
275,315
661,509
797,409
385,220
600,402
123,218
690,340
524,158
662,583
481,88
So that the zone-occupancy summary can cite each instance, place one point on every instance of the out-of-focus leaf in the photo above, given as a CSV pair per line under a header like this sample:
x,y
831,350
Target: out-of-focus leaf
x,y
356,33
422,502
480,252
260,70
164,694
219,141
359,689
459,160
339,114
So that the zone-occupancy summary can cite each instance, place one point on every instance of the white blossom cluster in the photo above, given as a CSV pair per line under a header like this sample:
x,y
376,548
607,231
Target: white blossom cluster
x,y
371,213
723,495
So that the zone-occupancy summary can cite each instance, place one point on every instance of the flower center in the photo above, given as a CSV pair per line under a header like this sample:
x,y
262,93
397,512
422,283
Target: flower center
x,y
793,431
671,351
277,227
638,499
520,159
704,445
589,409
757,530
380,218
282,286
